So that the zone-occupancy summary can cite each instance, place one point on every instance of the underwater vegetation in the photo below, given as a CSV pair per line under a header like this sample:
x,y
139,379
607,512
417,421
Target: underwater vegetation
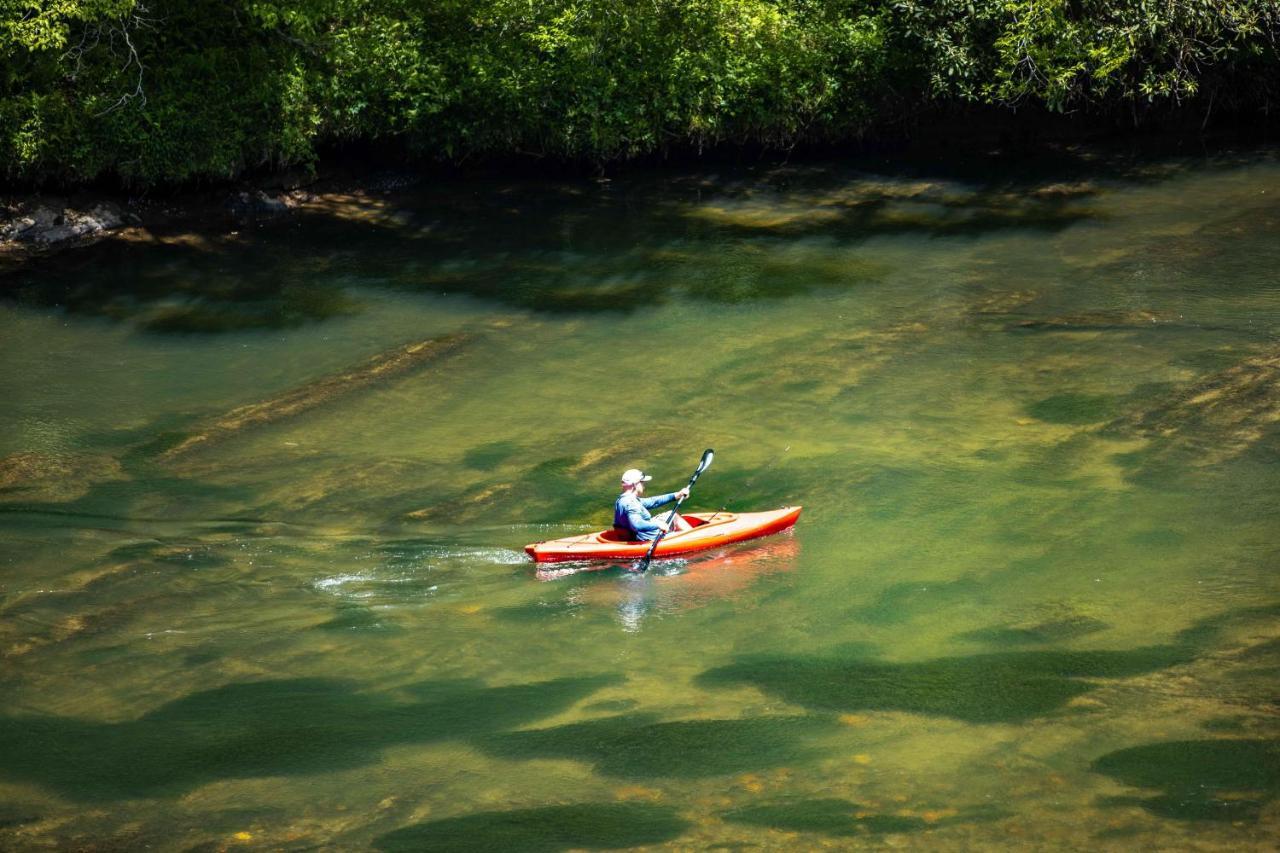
x,y
378,368
1217,418
843,819
263,728
589,826
1223,780
1000,687
1056,625
636,745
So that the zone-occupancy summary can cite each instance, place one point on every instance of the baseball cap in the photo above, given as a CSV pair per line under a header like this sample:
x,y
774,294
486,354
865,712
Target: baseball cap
x,y
631,476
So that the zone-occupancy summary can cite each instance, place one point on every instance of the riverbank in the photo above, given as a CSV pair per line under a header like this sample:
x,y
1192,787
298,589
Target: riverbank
x,y
36,225
363,184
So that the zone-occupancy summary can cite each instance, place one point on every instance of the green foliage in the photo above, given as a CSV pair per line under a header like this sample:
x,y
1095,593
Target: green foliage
x,y
152,91
1068,53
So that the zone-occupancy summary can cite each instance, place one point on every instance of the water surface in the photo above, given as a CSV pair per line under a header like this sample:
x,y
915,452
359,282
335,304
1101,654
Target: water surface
x,y
1032,600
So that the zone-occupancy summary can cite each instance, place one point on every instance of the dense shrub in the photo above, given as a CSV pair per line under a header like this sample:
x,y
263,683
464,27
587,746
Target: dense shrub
x,y
150,91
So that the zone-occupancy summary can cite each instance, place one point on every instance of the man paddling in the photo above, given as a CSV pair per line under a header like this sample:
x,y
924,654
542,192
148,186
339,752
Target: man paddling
x,y
631,510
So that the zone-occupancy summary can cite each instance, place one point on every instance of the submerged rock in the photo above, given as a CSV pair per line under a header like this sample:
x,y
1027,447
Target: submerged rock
x,y
1094,321
838,818
1219,417
380,367
544,829
557,488
33,476
825,367
1002,302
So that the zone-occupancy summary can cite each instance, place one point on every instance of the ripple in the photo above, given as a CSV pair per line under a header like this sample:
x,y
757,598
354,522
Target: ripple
x,y
338,581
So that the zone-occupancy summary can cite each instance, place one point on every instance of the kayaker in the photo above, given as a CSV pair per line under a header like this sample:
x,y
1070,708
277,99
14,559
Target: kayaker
x,y
631,510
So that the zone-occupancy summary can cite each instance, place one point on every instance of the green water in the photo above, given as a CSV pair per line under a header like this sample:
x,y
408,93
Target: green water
x,y
1031,603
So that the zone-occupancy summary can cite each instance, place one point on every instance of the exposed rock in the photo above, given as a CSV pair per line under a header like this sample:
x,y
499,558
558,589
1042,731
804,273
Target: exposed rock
x,y
31,218
309,396
251,205
47,222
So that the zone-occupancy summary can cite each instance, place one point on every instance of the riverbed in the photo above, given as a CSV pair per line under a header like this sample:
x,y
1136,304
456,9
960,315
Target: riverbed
x,y
264,496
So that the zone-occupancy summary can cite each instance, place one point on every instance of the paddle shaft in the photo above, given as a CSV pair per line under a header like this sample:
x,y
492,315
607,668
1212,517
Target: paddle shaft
x,y
775,461
703,465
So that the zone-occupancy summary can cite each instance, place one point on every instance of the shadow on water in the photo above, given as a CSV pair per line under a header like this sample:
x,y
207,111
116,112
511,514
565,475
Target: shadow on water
x,y
1206,631
984,688
1052,630
154,495
841,818
897,602
349,616
559,488
591,826
568,248
1219,780
929,211
216,287
635,746
1075,409
266,728
994,687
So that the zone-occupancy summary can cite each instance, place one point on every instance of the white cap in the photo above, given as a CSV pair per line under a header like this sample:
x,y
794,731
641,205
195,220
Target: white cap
x,y
631,476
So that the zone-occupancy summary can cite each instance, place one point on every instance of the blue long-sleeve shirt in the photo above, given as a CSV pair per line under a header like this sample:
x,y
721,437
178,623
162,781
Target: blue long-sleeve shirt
x,y
631,512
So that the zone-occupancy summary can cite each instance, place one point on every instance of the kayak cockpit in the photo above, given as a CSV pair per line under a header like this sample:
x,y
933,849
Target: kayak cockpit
x,y
696,520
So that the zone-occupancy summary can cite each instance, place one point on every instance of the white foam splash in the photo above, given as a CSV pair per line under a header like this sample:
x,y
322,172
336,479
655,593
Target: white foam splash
x,y
497,556
340,580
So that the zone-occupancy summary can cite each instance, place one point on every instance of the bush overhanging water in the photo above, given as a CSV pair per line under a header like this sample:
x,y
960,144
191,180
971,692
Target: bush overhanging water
x,y
153,91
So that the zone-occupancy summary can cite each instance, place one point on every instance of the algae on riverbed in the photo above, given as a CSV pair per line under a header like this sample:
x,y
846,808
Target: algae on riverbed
x,y
1033,558
309,396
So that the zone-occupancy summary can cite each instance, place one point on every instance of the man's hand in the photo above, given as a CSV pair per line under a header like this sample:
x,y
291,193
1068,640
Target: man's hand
x,y
682,494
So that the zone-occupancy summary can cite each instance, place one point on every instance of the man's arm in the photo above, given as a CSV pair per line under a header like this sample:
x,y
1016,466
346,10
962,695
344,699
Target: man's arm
x,y
650,503
640,524
658,500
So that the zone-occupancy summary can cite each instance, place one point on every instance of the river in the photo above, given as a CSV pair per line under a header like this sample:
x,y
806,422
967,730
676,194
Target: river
x,y
263,574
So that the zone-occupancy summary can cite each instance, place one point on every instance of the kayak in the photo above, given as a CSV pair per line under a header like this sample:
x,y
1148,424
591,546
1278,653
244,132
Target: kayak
x,y
710,530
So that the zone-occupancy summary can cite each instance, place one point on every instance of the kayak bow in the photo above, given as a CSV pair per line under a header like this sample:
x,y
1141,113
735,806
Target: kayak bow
x,y
710,529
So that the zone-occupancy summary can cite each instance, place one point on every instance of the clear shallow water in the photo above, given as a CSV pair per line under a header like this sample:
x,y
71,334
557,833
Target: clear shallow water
x,y
1031,602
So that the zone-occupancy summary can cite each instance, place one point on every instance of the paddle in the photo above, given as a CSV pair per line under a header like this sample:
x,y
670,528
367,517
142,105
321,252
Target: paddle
x,y
703,464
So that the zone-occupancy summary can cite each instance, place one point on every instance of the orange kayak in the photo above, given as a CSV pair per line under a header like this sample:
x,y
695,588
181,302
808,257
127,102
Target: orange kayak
x,y
710,529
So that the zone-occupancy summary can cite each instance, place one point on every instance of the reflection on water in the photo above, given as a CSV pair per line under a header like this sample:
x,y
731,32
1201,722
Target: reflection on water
x,y
677,583
262,572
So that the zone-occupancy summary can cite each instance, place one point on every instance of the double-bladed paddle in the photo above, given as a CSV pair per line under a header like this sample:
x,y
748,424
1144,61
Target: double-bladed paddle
x,y
703,464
